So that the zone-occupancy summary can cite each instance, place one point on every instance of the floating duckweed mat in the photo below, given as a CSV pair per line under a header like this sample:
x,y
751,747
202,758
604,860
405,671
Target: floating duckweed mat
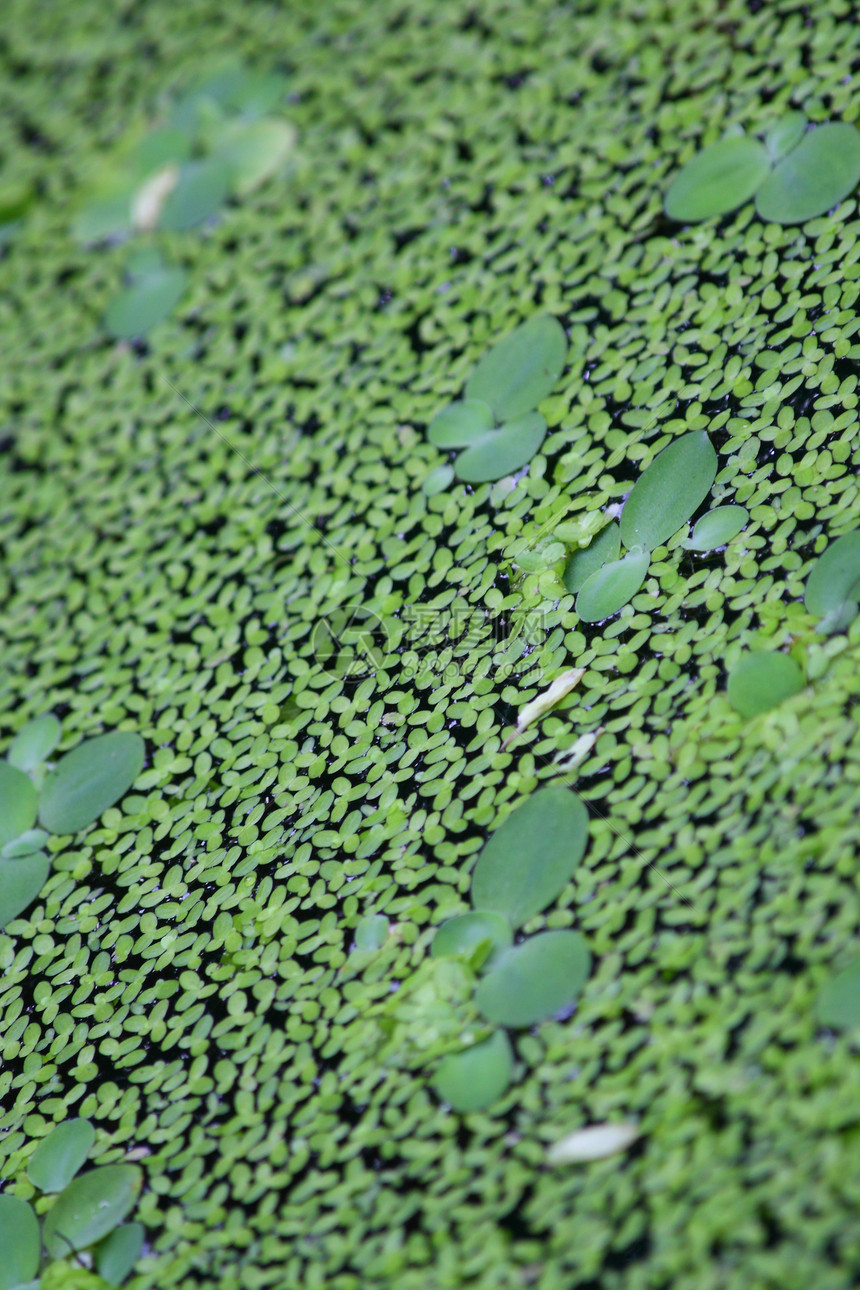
x,y
221,539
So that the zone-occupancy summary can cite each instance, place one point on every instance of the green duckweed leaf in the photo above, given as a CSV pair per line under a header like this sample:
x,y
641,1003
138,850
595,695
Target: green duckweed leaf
x,y
593,1143
521,369
816,175
669,490
21,880
30,841
117,1254
716,528
534,980
64,1274
136,309
543,556
438,480
34,742
785,134
257,93
465,933
159,148
834,580
473,1079
763,680
371,932
717,180
252,151
89,779
529,860
199,194
603,549
501,452
460,424
106,215
90,1207
16,197
839,1001
612,586
19,1242
18,803
60,1155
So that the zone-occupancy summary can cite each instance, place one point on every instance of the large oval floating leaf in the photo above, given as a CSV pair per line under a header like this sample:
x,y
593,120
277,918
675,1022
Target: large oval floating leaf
x,y
785,134
26,844
460,424
60,1155
835,576
21,880
669,490
201,192
252,151
816,175
763,680
839,1001
501,452
717,180
89,779
467,932
117,1254
612,587
474,1078
34,742
18,803
534,980
531,857
19,1242
92,1205
601,550
521,369
717,528
135,310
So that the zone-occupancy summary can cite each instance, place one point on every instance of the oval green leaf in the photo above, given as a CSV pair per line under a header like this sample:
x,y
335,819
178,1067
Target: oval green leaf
x,y
529,860
34,742
18,803
521,369
159,148
21,880
19,1242
92,1205
257,93
501,452
669,490
763,680
717,180
371,932
117,1254
816,175
89,779
438,480
60,1155
26,845
532,981
466,932
610,589
460,424
252,151
473,1079
835,576
839,1001
785,134
603,549
717,528
108,215
201,192
140,307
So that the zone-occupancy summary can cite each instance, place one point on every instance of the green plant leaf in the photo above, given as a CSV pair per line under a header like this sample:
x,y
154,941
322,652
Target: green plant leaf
x,y
34,742
834,579
464,933
90,1207
839,618
612,587
669,490
371,932
460,424
21,880
839,1001
716,528
473,1079
117,1254
60,1155
200,193
106,215
521,369
19,1242
501,452
252,151
529,860
816,175
136,309
535,979
763,680
785,134
26,844
18,803
602,549
438,480
717,180
257,93
89,779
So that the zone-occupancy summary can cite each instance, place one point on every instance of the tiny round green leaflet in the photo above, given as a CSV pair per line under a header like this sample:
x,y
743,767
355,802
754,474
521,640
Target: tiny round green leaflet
x,y
460,424
92,1205
612,586
200,193
466,932
785,134
839,1001
371,932
473,1079
501,452
136,309
814,177
521,369
716,528
89,779
529,860
18,803
669,490
60,1155
34,742
21,880
534,980
252,151
19,1242
717,180
117,1254
28,842
763,680
602,549
835,576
